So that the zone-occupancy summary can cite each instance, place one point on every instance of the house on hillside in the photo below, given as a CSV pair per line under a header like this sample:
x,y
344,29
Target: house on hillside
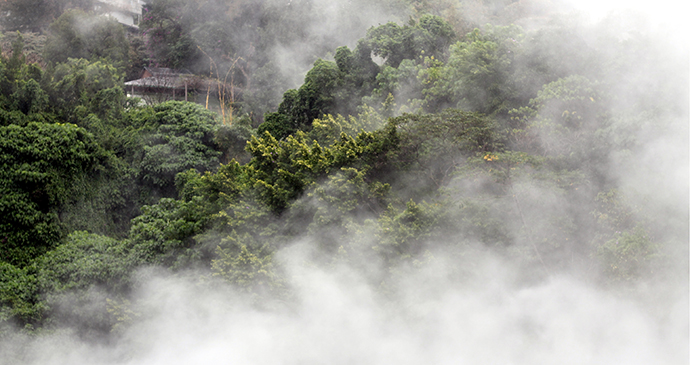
x,y
160,84
126,12
157,85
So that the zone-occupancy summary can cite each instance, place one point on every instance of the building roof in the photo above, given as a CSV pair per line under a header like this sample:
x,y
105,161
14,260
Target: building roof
x,y
164,72
165,78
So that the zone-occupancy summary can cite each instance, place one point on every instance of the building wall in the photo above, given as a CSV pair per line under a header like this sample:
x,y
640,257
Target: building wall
x,y
127,12
129,6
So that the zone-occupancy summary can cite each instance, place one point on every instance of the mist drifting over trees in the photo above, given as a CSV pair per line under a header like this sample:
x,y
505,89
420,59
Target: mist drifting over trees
x,y
391,181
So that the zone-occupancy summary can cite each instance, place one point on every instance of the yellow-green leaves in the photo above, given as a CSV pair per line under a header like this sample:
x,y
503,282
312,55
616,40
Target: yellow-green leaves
x,y
281,170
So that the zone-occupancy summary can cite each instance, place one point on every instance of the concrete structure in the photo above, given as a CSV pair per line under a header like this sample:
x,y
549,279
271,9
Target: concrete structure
x,y
127,12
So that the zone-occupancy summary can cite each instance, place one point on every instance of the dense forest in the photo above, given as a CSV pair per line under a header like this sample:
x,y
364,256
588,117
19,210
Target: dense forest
x,y
449,174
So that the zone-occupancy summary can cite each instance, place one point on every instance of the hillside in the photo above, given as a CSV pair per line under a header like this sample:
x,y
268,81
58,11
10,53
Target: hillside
x,y
366,182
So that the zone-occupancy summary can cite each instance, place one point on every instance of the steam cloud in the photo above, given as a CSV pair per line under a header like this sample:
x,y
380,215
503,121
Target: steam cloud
x,y
339,318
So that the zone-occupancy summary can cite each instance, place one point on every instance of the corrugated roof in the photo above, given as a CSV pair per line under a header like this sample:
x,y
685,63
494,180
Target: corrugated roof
x,y
165,78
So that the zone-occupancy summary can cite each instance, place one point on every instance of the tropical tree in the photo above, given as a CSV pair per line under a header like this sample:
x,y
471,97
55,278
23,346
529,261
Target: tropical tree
x,y
174,137
45,166
168,38
76,34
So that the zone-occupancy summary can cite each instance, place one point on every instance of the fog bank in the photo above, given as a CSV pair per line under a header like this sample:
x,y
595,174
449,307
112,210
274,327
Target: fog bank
x,y
436,318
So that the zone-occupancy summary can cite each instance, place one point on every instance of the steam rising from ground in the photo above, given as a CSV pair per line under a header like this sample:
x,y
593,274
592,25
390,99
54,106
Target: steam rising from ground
x,y
331,23
436,317
665,14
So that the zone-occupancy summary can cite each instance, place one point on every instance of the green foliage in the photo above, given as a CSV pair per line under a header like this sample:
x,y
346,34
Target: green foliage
x,y
431,36
76,34
244,269
502,167
175,136
19,303
328,129
80,87
28,15
163,233
563,112
84,260
342,202
219,189
14,117
40,165
29,98
401,84
406,233
122,312
20,83
567,124
247,214
481,222
347,190
357,77
338,88
109,193
107,204
277,124
240,262
629,255
480,73
168,39
313,99
613,213
436,145
80,274
281,170
137,57
231,140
